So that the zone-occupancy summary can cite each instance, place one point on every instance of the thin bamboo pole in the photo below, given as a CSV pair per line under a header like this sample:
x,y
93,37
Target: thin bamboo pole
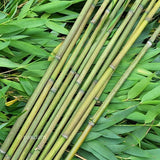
x,y
108,72
66,144
36,121
57,131
41,85
43,81
58,117
99,113
63,121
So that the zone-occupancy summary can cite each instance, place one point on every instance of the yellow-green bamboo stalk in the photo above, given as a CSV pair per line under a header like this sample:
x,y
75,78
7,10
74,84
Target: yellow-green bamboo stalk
x,y
66,144
108,72
71,35
58,117
97,115
43,81
60,126
61,91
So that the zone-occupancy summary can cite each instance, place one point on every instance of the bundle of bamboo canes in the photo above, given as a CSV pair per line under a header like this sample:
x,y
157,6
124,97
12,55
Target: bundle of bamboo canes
x,y
71,86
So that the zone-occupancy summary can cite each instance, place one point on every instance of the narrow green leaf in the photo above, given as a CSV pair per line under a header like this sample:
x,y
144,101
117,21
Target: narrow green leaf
x,y
27,86
28,22
154,93
8,63
152,113
52,7
25,9
115,118
138,88
56,27
13,84
4,44
29,48
102,149
9,28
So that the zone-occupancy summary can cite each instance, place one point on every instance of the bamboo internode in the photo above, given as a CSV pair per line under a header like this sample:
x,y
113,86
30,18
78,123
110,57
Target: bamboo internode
x,y
75,79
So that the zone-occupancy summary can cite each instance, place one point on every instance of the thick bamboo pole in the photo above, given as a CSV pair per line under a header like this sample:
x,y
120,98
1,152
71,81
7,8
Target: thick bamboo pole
x,y
43,81
51,68
108,72
98,114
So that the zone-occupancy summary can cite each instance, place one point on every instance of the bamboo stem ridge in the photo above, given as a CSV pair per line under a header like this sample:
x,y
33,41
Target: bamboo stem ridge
x,y
108,72
98,114
43,82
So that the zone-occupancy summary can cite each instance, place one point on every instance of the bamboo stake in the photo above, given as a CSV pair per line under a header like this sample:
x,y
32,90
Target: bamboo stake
x,y
66,144
43,81
99,113
58,117
94,20
57,131
108,72
63,120
52,115
41,85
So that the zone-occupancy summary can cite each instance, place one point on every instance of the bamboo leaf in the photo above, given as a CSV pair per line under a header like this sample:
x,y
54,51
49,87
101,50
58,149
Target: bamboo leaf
x,y
9,28
152,113
152,94
28,22
52,7
138,88
4,44
56,27
102,150
29,48
13,84
8,63
25,9
115,118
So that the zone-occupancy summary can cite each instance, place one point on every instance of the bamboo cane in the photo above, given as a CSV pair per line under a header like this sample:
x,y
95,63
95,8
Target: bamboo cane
x,y
66,144
58,116
43,81
108,72
53,65
63,121
40,116
98,114
56,133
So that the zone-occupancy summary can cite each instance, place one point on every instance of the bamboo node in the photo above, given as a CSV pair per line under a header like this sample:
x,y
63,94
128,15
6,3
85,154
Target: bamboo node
x,y
77,75
95,81
79,81
107,10
112,66
141,6
51,80
96,98
82,91
93,21
58,57
65,136
72,71
1,151
148,19
54,90
91,123
38,148
149,43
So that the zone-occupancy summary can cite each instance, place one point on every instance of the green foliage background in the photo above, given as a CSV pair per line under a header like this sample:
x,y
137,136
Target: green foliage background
x,y
30,30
